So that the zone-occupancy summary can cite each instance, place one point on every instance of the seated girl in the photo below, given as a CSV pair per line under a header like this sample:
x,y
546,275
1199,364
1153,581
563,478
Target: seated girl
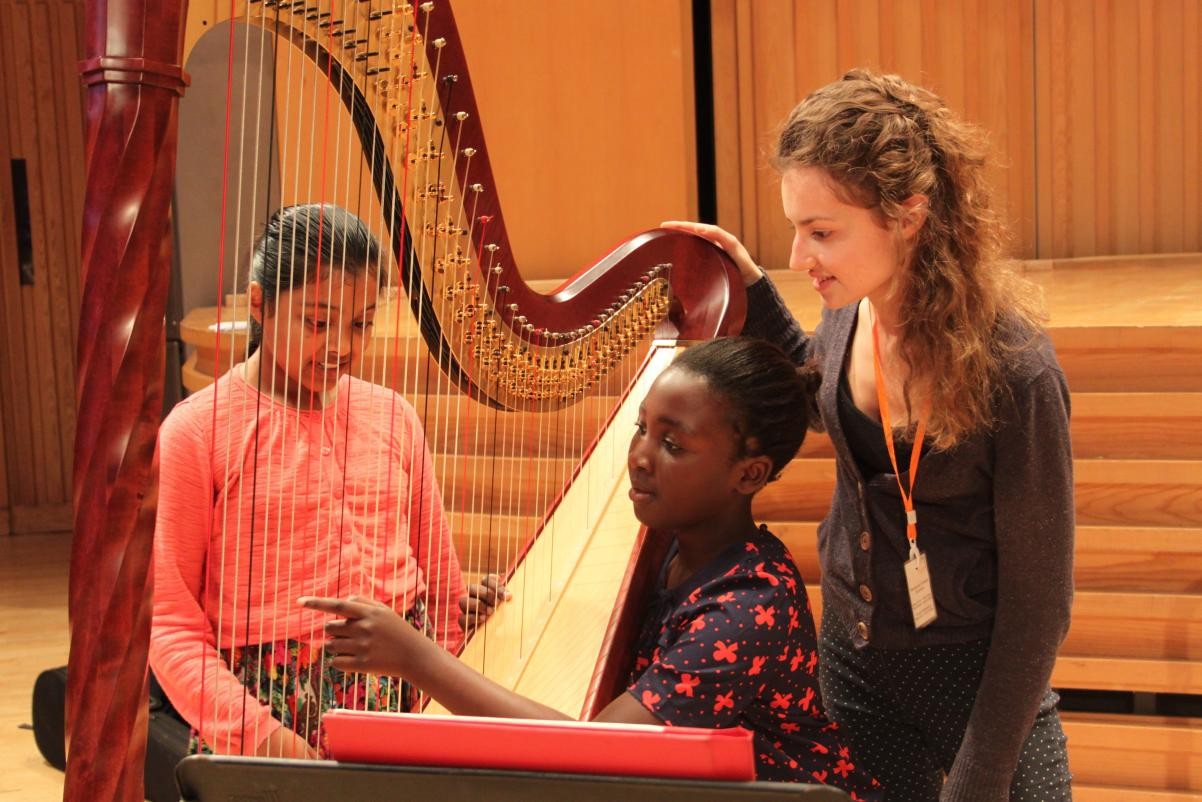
x,y
289,476
730,639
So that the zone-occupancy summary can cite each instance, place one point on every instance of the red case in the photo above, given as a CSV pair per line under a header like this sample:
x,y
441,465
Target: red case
x,y
573,747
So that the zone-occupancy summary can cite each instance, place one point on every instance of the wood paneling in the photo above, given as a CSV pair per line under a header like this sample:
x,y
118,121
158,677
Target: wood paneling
x,y
41,117
589,121
1092,108
589,118
769,55
1117,98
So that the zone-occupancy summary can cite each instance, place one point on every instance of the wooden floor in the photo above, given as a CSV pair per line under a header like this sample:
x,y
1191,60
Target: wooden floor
x,y
33,629
1121,291
1129,295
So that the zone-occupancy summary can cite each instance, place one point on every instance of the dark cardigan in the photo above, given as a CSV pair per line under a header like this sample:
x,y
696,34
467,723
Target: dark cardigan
x,y
995,519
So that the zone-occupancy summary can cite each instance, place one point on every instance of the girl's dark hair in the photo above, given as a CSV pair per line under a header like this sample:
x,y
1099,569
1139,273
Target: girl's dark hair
x,y
303,243
772,401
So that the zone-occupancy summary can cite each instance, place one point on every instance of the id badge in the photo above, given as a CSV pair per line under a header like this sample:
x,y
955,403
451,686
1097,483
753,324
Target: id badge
x,y
918,582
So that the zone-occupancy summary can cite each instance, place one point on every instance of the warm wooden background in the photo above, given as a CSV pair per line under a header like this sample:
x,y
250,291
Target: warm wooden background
x,y
1093,107
41,121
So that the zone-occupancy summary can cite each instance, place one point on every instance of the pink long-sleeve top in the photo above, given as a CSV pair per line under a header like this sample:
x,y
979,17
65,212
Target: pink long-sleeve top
x,y
260,503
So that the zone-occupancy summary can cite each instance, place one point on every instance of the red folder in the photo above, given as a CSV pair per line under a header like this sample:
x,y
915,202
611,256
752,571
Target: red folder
x,y
573,747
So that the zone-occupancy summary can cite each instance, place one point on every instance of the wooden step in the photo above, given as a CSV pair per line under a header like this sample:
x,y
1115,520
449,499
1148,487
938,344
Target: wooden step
x,y
803,492
1127,674
1139,492
1098,793
1112,425
1108,492
467,427
1135,752
490,542
1130,358
1131,558
1129,642
1115,558
1137,425
397,360
1164,626
500,485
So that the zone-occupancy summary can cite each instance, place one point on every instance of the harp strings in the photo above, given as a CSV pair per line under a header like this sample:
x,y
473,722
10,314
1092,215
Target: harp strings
x,y
493,495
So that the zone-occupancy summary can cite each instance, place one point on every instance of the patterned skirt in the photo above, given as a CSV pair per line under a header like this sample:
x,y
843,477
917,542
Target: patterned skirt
x,y
299,683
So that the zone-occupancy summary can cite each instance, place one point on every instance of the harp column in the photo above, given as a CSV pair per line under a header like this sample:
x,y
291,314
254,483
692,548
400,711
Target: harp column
x,y
133,76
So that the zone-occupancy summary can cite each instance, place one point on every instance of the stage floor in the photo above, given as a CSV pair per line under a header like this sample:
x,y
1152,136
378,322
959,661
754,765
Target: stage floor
x,y
33,629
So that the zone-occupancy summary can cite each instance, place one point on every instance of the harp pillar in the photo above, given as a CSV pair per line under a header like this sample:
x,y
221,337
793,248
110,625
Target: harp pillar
x,y
134,79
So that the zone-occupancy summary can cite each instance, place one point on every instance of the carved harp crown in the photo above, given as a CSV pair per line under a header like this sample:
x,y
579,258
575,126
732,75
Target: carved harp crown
x,y
399,74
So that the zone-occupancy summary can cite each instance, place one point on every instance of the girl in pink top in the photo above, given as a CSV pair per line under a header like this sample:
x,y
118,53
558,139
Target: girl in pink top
x,y
285,478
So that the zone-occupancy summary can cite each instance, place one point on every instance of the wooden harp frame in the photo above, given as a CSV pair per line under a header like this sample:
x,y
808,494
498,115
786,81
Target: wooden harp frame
x,y
134,76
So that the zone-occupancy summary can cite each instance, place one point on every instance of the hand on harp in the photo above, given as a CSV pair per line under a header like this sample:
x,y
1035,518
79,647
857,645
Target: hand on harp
x,y
370,636
481,600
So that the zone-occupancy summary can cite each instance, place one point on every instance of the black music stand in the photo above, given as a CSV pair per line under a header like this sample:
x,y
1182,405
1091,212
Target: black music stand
x,y
206,778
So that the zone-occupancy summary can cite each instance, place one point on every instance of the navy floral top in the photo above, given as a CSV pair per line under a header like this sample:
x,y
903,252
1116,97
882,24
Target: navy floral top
x,y
735,646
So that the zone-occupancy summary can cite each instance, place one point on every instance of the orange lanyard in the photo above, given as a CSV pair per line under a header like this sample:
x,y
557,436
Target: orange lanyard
x,y
915,453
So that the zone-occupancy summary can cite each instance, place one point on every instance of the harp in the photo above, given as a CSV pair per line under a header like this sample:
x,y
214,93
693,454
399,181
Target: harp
x,y
397,73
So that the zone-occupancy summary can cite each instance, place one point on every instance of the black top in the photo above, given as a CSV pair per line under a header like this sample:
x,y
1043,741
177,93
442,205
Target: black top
x,y
866,437
995,519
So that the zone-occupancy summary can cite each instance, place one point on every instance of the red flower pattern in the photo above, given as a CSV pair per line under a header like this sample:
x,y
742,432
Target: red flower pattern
x,y
732,653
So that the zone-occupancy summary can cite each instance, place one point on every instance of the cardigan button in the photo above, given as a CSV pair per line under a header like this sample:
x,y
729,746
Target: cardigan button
x,y
862,630
866,593
865,541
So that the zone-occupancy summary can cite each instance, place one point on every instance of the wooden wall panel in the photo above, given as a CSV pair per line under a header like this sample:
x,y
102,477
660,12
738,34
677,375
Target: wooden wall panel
x,y
589,117
589,121
42,125
1092,107
1117,100
971,53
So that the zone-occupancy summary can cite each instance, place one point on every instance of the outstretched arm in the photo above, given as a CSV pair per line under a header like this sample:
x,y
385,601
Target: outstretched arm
x,y
728,242
370,637
768,318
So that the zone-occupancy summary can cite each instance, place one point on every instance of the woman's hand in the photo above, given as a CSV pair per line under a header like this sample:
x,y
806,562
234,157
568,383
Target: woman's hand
x,y
728,242
283,742
370,637
481,600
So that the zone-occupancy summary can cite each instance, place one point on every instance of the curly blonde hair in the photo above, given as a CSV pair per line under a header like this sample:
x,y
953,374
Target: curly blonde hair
x,y
881,140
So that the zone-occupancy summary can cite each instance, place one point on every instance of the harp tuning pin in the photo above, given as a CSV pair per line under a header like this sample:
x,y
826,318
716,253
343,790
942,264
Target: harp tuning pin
x,y
512,307
469,152
502,288
529,327
492,247
440,42
476,187
461,115
498,270
427,7
520,319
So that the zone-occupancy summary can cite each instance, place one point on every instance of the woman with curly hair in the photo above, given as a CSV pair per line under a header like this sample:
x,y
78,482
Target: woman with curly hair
x,y
947,552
